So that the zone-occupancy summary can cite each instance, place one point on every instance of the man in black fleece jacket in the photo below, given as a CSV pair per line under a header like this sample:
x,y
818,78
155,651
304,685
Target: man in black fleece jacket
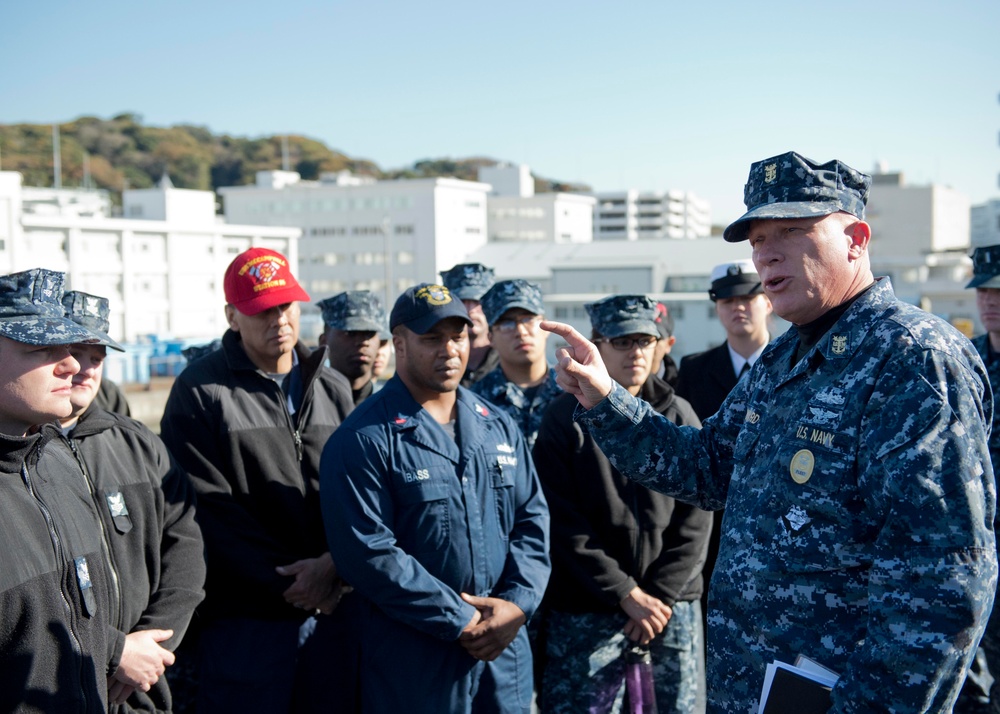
x,y
55,596
248,422
146,505
626,561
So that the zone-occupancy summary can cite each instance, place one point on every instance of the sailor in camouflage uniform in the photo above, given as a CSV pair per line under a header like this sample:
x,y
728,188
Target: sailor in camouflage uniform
x,y
852,462
354,323
469,282
522,384
626,561
981,692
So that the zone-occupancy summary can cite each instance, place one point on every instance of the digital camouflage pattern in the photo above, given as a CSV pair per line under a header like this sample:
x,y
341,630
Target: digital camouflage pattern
x,y
624,315
507,396
92,312
468,281
509,294
792,186
31,310
586,665
354,311
859,512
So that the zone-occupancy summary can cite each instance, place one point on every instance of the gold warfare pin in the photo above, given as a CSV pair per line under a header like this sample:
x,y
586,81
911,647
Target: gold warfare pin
x,y
801,466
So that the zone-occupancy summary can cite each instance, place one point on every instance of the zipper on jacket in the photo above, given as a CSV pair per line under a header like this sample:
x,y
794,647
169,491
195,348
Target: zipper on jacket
x,y
115,585
292,423
61,559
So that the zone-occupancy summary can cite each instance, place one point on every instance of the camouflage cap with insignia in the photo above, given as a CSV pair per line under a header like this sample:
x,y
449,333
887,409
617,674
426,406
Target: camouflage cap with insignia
x,y
985,267
92,312
508,294
468,281
792,186
354,311
421,307
624,315
31,310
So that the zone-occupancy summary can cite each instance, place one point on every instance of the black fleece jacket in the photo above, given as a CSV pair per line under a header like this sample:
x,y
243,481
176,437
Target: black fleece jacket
x,y
54,586
255,469
610,534
155,547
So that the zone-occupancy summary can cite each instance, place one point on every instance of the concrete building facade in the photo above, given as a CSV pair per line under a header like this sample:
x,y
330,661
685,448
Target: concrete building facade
x,y
650,215
161,270
382,236
984,223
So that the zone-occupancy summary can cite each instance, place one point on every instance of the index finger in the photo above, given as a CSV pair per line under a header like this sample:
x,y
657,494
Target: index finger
x,y
567,332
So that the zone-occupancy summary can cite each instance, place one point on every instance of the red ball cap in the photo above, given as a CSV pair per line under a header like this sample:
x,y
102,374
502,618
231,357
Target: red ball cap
x,y
258,279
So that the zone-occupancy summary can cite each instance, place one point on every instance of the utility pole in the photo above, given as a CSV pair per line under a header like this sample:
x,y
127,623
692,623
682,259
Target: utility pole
x,y
56,158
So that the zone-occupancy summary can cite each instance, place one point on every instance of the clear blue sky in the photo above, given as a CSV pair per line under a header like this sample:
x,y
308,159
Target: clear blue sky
x,y
650,95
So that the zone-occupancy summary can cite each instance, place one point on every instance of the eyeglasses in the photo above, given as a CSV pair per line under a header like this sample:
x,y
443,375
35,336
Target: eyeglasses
x,y
511,325
626,344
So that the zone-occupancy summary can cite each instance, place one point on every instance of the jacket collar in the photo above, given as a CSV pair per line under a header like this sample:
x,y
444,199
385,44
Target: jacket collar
x,y
841,341
310,361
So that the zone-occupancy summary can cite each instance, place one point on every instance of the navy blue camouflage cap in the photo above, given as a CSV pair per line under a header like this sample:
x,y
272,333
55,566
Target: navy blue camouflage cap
x,y
508,294
624,315
792,186
354,311
421,307
468,281
31,310
985,267
91,312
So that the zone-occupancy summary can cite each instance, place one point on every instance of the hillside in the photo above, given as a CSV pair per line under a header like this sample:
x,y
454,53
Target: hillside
x,y
123,152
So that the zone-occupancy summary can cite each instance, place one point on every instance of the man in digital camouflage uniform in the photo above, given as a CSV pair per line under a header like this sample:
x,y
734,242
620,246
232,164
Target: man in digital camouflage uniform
x,y
852,462
469,282
981,692
522,384
353,323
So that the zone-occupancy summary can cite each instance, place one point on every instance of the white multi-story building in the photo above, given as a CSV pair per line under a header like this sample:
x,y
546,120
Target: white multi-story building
x,y
916,220
573,274
650,215
161,267
517,213
984,223
382,236
81,202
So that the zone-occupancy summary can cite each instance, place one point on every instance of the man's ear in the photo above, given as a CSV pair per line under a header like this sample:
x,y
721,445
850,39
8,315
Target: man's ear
x,y
231,318
861,235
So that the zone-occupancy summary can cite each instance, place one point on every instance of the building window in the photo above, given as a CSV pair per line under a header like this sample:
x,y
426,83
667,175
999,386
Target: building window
x,y
473,230
404,257
561,313
403,230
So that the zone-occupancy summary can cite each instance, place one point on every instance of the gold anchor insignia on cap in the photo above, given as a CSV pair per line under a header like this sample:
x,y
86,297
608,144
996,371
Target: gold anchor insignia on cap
x,y
770,173
801,466
839,344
